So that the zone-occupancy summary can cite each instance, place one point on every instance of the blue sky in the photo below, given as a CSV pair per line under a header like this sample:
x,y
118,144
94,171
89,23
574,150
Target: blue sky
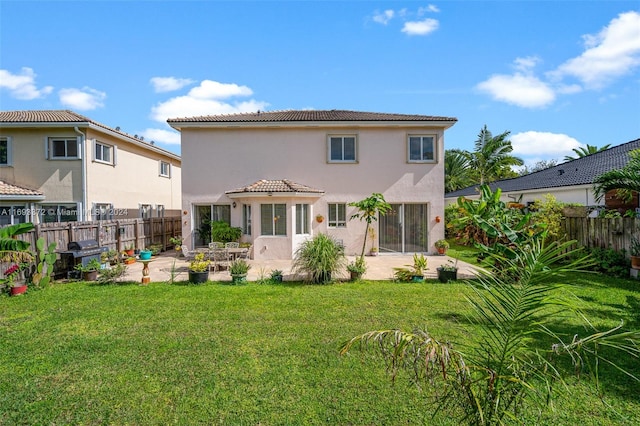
x,y
556,74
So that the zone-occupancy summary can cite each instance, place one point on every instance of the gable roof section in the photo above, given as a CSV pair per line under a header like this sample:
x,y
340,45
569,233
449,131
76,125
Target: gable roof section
x,y
282,186
301,117
10,192
67,118
581,171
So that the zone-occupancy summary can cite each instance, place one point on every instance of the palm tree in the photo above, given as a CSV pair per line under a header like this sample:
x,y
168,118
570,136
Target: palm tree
x,y
368,209
626,179
492,160
583,152
456,170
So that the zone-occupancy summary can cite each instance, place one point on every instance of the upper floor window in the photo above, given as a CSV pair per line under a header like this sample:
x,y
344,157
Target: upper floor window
x,y
146,211
5,151
421,149
337,215
273,219
165,169
63,148
104,153
342,149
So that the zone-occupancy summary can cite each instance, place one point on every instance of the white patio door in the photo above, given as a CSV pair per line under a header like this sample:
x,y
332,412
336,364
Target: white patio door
x,y
404,229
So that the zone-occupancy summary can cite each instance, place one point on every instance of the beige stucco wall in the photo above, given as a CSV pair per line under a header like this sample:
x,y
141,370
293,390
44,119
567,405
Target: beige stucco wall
x,y
581,194
59,180
218,160
134,180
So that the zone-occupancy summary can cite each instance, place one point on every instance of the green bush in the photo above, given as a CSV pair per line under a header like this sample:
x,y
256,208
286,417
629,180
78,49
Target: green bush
x,y
223,232
611,262
318,258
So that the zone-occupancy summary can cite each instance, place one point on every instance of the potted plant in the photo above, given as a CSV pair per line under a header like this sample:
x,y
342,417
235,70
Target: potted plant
x,y
15,285
276,276
373,251
635,252
319,218
357,268
145,254
176,241
199,269
129,249
238,270
442,246
90,270
413,272
129,260
448,272
317,258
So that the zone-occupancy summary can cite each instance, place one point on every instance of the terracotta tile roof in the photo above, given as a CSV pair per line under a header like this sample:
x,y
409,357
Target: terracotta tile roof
x,y
581,171
309,115
8,190
283,185
62,117
42,116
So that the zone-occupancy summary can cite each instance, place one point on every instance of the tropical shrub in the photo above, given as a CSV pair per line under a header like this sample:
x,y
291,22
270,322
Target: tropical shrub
x,y
611,262
223,232
548,211
507,364
319,257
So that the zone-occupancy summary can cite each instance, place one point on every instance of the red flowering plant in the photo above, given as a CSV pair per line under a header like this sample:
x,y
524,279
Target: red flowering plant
x,y
11,274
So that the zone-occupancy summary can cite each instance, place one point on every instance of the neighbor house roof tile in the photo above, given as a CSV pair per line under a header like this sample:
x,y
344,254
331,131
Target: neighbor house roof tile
x,y
8,190
581,171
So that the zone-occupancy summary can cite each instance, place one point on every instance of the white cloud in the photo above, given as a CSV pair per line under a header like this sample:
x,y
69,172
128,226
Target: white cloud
x,y
432,8
209,98
209,89
170,137
424,27
169,84
613,52
543,145
22,85
383,17
525,91
82,99
526,64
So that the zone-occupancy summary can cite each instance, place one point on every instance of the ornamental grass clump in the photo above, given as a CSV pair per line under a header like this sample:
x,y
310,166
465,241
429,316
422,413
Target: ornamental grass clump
x,y
318,258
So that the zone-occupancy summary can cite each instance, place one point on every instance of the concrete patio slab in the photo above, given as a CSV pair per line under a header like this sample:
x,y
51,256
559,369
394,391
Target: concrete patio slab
x,y
378,268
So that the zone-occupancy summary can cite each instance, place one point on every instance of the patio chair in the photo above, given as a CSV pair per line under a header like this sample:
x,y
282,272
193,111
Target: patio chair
x,y
233,244
219,258
188,254
245,254
215,245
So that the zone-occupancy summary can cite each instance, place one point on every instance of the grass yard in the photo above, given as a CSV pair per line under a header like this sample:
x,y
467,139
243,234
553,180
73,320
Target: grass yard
x,y
259,354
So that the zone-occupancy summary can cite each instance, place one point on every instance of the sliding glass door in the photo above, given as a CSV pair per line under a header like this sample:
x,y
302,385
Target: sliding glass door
x,y
404,229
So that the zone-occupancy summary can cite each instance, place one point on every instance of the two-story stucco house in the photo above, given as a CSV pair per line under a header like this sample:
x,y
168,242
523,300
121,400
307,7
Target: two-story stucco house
x,y
58,166
285,176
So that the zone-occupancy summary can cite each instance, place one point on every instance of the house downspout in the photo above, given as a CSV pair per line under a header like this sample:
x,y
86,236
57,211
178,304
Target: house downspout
x,y
84,210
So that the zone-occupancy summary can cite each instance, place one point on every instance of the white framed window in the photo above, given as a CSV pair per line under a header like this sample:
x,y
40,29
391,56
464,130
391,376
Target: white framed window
x,y
160,210
421,148
146,211
13,214
5,152
58,212
103,153
165,169
273,219
61,148
302,219
102,211
342,148
337,215
246,219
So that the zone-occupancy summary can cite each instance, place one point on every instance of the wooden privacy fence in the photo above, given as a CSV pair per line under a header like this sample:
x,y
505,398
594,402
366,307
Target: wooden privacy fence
x,y
113,234
614,233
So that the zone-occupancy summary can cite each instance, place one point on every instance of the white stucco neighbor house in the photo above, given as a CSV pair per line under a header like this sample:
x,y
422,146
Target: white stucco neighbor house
x,y
284,176
60,166
569,182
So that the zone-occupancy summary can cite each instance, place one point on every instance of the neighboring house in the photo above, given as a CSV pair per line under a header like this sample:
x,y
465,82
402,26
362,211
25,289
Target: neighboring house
x,y
287,175
59,166
570,182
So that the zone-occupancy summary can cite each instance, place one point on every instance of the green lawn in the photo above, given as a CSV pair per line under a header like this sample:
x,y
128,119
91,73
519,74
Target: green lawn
x,y
258,354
